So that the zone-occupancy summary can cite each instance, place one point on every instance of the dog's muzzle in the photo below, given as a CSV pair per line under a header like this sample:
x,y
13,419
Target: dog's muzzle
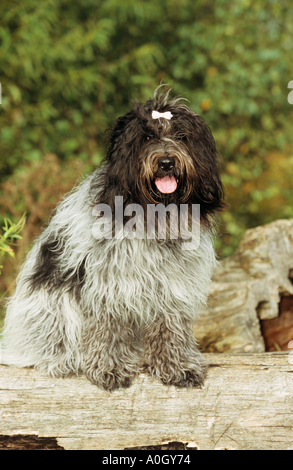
x,y
166,184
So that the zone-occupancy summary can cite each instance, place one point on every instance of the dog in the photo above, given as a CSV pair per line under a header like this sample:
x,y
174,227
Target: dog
x,y
106,305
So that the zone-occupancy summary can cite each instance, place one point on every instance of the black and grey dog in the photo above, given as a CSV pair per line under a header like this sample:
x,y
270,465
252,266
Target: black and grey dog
x,y
105,305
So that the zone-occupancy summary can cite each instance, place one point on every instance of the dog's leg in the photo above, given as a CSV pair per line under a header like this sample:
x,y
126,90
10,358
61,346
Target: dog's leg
x,y
111,352
171,354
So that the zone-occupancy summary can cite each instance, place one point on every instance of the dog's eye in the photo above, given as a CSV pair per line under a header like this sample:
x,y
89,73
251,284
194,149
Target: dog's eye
x,y
147,137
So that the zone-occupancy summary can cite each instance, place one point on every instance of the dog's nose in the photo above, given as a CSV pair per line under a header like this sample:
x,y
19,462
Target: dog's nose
x,y
166,163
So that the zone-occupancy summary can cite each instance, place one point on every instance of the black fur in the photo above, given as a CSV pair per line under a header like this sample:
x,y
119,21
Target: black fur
x,y
132,135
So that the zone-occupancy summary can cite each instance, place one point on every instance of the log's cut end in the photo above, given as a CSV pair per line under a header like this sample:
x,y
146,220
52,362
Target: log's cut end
x,y
246,403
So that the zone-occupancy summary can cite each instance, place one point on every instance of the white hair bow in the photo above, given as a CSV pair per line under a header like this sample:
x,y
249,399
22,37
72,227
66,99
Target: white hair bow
x,y
157,115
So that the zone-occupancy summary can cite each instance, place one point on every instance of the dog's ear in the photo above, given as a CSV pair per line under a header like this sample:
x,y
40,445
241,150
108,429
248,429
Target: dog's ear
x,y
125,142
205,151
121,135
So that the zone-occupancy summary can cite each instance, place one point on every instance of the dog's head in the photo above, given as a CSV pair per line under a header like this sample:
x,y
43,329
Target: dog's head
x,y
162,152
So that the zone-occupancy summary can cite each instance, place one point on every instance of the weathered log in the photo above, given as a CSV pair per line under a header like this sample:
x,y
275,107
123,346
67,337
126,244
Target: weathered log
x,y
246,292
246,403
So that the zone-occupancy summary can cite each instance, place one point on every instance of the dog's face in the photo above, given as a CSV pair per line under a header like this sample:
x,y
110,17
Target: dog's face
x,y
167,158
166,169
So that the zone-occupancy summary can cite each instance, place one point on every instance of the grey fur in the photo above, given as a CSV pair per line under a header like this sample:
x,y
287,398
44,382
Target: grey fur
x,y
122,303
130,286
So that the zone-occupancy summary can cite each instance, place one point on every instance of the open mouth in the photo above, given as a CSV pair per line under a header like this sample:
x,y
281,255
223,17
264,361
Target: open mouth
x,y
167,184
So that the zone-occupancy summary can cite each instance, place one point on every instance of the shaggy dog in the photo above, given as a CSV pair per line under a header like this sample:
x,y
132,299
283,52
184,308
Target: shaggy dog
x,y
105,305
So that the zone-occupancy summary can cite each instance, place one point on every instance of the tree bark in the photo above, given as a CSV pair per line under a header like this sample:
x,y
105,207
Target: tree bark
x,y
246,403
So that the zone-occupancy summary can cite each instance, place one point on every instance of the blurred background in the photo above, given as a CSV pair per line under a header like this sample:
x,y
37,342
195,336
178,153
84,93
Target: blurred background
x,y
68,69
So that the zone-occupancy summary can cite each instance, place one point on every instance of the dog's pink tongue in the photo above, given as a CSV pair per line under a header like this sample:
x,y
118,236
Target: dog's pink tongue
x,y
166,185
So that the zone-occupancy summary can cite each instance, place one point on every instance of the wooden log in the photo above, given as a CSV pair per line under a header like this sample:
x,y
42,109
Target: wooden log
x,y
247,292
246,403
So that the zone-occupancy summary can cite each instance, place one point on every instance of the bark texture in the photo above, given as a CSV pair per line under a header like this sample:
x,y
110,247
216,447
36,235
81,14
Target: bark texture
x,y
246,292
246,403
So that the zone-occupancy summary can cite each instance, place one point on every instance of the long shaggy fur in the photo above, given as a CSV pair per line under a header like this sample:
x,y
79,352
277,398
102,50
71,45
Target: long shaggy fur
x,y
106,306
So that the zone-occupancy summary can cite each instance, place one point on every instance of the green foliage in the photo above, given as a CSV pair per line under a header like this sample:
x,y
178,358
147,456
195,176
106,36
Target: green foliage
x,y
10,234
68,69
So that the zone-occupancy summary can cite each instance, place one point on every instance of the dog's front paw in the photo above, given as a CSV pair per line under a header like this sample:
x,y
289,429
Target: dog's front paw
x,y
112,379
187,378
179,375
